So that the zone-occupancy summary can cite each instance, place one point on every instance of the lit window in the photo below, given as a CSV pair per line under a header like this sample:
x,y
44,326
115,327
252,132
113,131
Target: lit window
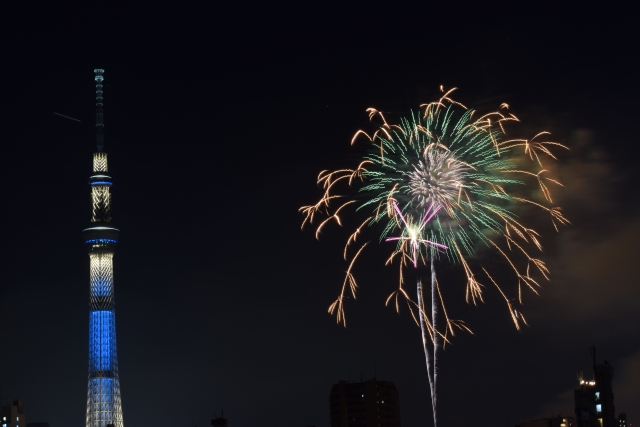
x,y
363,395
383,401
598,408
597,395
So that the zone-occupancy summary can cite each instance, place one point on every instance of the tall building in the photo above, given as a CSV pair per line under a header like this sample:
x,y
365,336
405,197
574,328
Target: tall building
x,y
104,405
365,404
12,415
594,398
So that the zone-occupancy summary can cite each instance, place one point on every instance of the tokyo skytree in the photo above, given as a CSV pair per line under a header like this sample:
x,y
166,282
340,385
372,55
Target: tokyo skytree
x,y
104,404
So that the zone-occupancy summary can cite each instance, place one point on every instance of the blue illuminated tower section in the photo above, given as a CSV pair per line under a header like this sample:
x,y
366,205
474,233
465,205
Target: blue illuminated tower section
x,y
104,405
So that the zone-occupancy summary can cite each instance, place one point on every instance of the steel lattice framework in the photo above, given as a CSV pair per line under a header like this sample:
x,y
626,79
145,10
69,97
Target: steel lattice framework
x,y
100,162
104,403
100,202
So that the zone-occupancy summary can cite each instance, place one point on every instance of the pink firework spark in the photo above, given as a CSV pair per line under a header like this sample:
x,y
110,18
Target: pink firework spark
x,y
413,237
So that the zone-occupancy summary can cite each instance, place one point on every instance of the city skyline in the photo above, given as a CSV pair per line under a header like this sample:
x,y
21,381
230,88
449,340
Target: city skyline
x,y
220,295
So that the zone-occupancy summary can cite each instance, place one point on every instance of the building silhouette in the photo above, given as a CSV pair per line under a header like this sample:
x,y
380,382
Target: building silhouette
x,y
558,421
12,415
594,398
364,404
104,405
220,421
622,420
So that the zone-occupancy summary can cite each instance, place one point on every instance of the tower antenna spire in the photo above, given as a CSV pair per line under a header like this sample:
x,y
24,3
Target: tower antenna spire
x,y
99,78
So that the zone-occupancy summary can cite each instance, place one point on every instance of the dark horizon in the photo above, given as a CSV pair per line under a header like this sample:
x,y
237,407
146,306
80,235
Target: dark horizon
x,y
218,119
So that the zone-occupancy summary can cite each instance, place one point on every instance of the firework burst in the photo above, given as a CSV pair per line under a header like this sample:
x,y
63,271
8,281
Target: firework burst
x,y
443,184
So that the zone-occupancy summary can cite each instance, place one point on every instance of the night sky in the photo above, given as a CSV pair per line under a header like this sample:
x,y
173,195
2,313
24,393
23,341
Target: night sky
x,y
218,118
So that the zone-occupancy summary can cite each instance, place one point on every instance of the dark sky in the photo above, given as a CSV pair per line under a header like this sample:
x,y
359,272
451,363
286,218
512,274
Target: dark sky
x,y
218,119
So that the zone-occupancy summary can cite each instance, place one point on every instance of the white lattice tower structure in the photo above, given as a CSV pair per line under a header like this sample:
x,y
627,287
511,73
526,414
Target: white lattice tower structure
x,y
104,403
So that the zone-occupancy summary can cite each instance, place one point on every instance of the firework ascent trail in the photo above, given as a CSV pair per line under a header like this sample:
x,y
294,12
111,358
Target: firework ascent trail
x,y
443,184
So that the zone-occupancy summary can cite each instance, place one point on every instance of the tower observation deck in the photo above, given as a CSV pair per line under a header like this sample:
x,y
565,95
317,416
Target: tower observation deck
x,y
104,404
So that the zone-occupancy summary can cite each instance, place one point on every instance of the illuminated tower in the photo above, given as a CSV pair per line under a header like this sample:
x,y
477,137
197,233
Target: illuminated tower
x,y
104,405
